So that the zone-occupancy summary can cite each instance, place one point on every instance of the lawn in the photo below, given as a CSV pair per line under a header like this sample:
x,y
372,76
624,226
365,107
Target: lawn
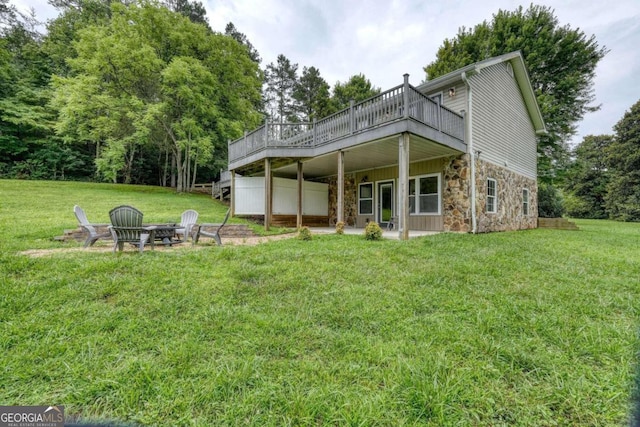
x,y
529,328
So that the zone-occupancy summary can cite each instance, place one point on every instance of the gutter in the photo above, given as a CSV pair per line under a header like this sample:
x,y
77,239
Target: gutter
x,y
472,156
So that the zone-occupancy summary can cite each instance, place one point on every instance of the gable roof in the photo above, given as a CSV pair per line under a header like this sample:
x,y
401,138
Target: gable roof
x,y
519,71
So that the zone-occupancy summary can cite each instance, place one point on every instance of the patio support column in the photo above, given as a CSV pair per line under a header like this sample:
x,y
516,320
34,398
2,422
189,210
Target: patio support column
x,y
403,186
232,196
340,207
300,192
267,193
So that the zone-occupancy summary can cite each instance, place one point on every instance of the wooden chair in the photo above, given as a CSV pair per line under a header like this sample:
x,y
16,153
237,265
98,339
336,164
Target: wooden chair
x,y
126,227
91,229
198,230
187,221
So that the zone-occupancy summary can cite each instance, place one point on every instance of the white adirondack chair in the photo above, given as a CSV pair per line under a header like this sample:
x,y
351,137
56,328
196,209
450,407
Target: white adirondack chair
x,y
93,234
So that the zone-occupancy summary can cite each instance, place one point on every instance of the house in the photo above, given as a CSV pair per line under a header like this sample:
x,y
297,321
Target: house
x,y
457,153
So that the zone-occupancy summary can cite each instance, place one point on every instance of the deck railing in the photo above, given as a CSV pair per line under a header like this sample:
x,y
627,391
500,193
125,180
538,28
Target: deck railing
x,y
401,102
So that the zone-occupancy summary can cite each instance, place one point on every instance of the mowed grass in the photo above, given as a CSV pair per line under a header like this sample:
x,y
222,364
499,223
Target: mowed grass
x,y
529,328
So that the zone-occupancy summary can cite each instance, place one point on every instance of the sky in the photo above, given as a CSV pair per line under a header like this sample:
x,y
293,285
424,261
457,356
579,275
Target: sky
x,y
384,39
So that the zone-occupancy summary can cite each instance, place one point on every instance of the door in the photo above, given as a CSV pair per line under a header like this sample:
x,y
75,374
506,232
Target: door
x,y
385,203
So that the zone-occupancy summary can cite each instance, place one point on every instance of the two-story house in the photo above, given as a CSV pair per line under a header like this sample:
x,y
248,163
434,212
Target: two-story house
x,y
457,153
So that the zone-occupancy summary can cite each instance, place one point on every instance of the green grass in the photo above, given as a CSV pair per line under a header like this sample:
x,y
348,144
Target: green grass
x,y
530,328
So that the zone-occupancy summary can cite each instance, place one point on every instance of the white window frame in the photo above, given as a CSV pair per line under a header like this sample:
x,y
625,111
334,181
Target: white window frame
x,y
493,197
416,203
525,201
371,199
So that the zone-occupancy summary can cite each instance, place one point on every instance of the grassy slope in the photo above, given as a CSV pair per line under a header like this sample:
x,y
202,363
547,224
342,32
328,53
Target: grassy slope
x,y
526,328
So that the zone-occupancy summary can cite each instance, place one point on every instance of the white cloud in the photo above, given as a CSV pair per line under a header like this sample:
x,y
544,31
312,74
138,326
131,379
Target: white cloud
x,y
383,39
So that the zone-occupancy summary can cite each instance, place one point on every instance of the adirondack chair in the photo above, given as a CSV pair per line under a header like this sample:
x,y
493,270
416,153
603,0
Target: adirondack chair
x,y
198,230
91,229
126,227
187,221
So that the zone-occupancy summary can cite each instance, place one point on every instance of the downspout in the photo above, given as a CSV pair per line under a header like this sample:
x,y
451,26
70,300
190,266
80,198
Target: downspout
x,y
472,156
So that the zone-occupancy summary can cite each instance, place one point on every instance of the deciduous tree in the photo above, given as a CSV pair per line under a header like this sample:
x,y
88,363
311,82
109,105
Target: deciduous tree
x,y
587,178
561,63
357,88
150,76
623,196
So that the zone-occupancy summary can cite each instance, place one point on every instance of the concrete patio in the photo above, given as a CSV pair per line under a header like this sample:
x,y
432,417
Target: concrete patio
x,y
390,234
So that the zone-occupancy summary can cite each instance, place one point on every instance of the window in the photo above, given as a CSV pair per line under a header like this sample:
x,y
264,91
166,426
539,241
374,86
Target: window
x,y
492,196
424,195
525,202
365,199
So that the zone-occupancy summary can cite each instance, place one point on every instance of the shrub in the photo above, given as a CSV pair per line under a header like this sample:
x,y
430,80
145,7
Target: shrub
x,y
550,203
304,233
340,227
373,231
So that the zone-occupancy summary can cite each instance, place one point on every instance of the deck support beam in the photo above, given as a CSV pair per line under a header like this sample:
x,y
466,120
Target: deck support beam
x,y
403,187
300,192
340,213
268,189
232,195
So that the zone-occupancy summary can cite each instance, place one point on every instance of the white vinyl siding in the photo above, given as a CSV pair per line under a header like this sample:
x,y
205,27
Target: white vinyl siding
x,y
456,103
492,196
502,128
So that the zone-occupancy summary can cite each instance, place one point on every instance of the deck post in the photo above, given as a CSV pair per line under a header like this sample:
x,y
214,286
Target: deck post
x,y
266,132
220,184
267,193
232,196
300,192
352,119
403,184
340,207
315,133
405,95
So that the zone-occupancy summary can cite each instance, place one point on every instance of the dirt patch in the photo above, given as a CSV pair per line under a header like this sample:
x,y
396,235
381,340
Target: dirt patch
x,y
107,246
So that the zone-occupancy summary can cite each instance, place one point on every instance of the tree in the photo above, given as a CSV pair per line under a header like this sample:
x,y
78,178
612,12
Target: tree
x,y
62,31
623,196
194,10
312,95
561,63
232,31
151,76
357,88
587,178
26,120
281,79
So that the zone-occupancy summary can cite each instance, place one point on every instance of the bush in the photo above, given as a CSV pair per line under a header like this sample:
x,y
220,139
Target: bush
x,y
340,227
550,202
373,231
304,233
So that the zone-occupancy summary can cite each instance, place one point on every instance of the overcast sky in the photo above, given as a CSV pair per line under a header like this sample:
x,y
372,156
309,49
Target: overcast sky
x,y
383,39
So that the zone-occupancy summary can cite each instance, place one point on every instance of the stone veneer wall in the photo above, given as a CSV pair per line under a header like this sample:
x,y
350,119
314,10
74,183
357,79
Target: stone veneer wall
x,y
456,199
509,215
350,199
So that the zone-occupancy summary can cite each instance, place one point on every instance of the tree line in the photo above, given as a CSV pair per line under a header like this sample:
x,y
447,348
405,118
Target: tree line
x,y
141,92
146,92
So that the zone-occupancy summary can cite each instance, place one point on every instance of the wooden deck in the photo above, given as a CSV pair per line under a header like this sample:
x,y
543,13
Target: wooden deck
x,y
400,109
